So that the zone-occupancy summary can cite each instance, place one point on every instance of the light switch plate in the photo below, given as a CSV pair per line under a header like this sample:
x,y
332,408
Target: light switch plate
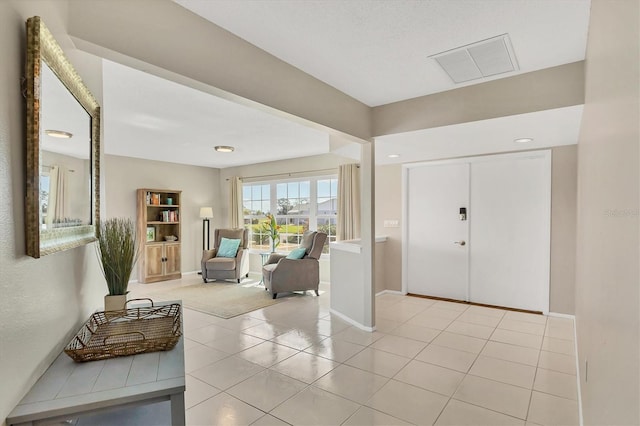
x,y
391,223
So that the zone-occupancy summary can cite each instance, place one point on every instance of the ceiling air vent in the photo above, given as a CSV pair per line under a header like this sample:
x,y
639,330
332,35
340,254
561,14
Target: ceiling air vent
x,y
477,60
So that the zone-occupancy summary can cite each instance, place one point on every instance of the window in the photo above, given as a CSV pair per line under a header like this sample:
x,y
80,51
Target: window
x,y
44,198
298,205
327,212
293,212
256,202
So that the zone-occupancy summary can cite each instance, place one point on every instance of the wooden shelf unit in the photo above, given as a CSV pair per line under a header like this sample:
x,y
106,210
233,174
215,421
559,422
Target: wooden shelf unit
x,y
159,259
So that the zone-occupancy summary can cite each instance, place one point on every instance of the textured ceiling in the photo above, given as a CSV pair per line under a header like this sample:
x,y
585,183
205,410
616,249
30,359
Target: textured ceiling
x,y
149,117
377,50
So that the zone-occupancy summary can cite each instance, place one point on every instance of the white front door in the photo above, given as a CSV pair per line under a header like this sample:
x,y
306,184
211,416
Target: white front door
x,y
510,229
437,239
505,259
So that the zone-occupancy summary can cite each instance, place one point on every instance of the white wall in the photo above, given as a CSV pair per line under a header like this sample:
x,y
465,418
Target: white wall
x,y
564,191
199,186
44,301
607,275
389,207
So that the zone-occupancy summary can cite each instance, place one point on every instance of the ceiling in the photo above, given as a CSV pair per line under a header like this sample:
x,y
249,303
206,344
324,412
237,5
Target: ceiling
x,y
376,51
156,119
556,127
61,111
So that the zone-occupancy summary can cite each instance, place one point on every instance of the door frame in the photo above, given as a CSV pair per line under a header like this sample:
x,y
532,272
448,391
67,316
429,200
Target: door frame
x,y
541,153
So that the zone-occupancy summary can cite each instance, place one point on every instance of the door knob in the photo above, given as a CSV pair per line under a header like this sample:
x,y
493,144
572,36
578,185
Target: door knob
x,y
461,242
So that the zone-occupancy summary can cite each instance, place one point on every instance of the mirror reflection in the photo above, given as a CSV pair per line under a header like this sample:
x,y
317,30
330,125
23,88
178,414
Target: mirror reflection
x,y
63,149
65,156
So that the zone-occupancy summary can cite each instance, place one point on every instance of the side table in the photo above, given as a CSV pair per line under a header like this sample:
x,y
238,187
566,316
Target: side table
x,y
69,389
264,255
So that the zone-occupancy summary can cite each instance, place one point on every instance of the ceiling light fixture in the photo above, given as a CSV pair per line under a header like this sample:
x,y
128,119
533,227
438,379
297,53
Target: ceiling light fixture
x,y
393,155
523,140
59,134
224,148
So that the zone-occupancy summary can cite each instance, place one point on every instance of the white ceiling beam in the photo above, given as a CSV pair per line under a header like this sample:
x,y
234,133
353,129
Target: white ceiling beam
x,y
550,88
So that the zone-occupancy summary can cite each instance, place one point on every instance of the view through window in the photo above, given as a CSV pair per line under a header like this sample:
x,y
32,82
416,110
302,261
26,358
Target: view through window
x,y
298,206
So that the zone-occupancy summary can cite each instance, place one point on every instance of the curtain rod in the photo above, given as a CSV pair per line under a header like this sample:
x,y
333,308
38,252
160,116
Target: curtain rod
x,y
51,167
289,174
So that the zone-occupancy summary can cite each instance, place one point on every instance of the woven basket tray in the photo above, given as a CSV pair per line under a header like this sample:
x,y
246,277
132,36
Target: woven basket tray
x,y
127,332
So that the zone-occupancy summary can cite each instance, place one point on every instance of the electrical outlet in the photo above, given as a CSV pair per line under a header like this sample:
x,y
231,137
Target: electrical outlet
x,y
391,223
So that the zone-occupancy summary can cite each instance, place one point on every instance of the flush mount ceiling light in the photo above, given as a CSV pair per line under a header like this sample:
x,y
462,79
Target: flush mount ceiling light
x,y
393,155
523,140
224,148
59,134
478,60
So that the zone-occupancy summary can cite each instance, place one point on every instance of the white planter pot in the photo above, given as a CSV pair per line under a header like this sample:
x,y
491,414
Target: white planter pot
x,y
115,303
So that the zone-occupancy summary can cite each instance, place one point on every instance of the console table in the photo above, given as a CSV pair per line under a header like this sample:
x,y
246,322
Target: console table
x,y
69,389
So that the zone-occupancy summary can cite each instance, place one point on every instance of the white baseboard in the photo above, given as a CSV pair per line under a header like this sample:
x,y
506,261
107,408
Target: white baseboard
x,y
399,293
575,344
352,321
559,315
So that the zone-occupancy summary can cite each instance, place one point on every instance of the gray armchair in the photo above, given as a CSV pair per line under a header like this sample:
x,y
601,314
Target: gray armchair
x,y
285,275
226,267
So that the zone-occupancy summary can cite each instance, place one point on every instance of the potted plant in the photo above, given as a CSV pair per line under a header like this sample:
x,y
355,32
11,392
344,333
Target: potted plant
x,y
272,229
118,252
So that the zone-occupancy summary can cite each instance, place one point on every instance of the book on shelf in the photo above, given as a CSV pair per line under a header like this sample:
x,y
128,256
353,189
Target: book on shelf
x,y
155,199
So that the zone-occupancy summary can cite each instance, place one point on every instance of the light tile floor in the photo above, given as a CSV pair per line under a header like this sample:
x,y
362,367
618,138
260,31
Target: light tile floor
x,y
431,362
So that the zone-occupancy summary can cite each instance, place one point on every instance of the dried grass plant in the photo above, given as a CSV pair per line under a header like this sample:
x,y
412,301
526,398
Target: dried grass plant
x,y
118,253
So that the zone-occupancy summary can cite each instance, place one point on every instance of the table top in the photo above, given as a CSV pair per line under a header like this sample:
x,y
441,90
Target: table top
x,y
70,387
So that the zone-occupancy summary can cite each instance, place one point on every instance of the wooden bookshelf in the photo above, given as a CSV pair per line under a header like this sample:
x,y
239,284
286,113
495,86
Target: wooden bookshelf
x,y
159,217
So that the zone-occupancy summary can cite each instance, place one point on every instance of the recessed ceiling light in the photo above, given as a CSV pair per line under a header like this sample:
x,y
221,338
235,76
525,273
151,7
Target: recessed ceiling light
x,y
523,140
224,148
59,134
393,155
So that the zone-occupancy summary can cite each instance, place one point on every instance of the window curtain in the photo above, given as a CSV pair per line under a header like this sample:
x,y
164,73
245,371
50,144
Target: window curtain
x,y
348,202
237,217
56,208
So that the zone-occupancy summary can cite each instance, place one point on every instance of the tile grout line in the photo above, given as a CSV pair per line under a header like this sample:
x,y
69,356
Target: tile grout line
x,y
535,375
428,344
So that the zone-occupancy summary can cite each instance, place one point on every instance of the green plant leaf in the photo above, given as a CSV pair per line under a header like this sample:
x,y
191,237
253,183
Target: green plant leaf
x,y
118,252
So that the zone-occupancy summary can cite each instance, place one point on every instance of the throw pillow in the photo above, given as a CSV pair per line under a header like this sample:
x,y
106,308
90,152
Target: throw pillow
x,y
297,253
228,248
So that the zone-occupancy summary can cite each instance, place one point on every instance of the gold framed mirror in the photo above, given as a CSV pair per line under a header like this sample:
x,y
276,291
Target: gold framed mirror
x,y
62,208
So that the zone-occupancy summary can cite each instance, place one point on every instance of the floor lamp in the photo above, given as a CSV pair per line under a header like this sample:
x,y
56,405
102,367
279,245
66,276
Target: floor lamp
x,y
206,213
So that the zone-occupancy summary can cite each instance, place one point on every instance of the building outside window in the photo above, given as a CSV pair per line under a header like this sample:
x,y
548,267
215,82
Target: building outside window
x,y
327,211
298,205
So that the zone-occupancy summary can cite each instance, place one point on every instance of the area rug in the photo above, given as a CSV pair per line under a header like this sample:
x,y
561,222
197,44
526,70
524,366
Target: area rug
x,y
224,300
